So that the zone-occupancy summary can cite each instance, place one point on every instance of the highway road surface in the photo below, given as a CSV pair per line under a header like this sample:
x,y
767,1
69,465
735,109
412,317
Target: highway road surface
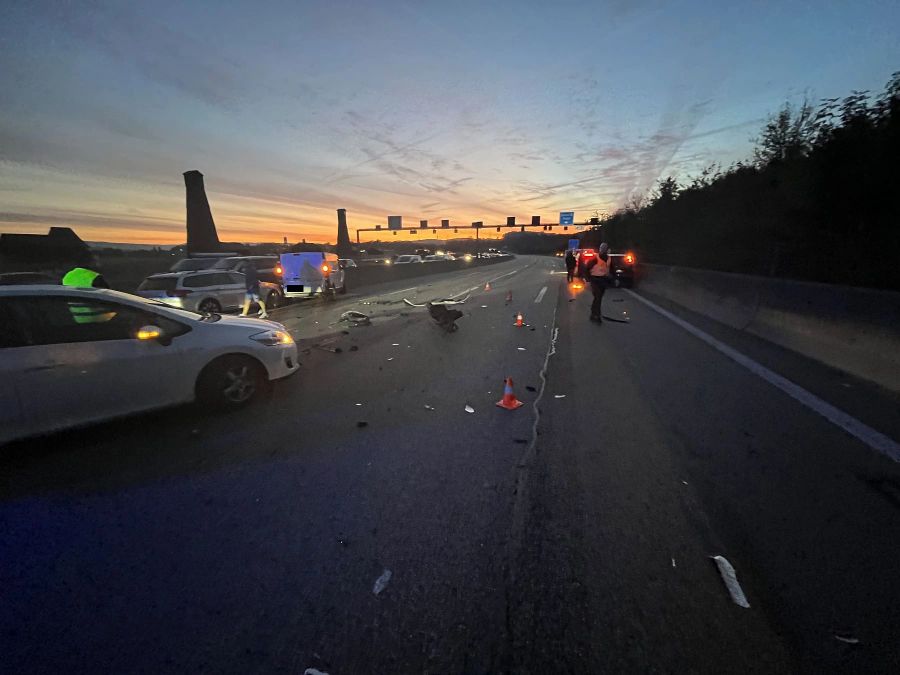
x,y
360,519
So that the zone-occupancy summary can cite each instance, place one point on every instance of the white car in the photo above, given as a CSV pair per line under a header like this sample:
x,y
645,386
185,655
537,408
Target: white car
x,y
408,259
70,357
205,291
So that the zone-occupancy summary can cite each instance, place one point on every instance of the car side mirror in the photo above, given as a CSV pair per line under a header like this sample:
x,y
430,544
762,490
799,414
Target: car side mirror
x,y
151,332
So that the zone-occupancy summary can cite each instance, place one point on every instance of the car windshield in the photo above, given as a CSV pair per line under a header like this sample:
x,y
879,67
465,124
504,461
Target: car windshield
x,y
193,264
158,284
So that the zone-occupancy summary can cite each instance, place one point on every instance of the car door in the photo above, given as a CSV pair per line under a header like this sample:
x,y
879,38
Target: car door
x,y
12,423
84,361
236,287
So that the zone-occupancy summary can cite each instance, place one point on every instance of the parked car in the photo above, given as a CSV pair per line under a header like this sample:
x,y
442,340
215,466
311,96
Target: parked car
x,y
312,273
408,259
205,291
268,267
70,357
347,263
193,264
26,278
438,258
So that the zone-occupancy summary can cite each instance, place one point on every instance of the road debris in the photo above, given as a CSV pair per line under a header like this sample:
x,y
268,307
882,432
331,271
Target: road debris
x,y
846,640
381,582
618,299
314,671
429,407
469,409
360,425
354,348
357,404
559,395
445,318
731,583
484,307
530,388
390,358
521,349
520,441
616,320
673,562
395,344
356,318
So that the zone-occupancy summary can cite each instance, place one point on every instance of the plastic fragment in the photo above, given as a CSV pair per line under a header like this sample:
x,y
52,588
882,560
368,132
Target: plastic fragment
x,y
530,388
429,407
357,404
354,348
381,582
390,358
521,349
731,583
360,425
469,409
314,671
559,395
673,562
847,640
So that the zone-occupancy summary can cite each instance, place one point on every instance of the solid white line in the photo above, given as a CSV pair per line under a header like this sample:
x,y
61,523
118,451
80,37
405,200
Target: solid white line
x,y
874,439
540,295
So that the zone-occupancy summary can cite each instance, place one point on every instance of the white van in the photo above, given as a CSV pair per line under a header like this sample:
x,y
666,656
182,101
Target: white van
x,y
309,274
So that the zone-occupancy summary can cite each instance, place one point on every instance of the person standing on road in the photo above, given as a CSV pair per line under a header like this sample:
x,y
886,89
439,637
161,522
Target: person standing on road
x,y
251,284
597,269
570,265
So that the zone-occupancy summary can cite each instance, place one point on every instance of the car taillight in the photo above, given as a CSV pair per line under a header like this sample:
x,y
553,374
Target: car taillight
x,y
629,259
326,268
178,293
279,270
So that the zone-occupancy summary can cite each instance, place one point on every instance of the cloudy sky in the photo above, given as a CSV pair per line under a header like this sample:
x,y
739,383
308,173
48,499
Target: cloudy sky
x,y
461,110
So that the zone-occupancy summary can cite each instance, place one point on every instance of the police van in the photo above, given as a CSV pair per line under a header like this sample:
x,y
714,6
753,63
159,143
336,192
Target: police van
x,y
308,274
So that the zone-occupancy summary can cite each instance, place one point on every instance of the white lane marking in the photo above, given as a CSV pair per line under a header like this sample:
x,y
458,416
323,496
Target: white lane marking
x,y
730,579
540,295
874,439
490,281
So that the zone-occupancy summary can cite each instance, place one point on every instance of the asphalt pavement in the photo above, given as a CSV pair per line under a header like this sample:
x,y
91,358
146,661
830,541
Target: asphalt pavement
x,y
360,519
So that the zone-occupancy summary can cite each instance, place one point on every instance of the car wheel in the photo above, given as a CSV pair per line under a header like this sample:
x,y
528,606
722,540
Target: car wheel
x,y
273,300
230,382
209,306
343,290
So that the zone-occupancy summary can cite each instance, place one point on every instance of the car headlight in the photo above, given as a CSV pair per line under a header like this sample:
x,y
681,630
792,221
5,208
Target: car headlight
x,y
273,338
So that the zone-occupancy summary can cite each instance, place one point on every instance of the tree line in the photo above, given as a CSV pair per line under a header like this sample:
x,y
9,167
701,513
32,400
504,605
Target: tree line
x,y
819,200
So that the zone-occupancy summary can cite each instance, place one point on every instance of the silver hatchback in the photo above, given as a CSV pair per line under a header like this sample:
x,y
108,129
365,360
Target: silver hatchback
x,y
204,291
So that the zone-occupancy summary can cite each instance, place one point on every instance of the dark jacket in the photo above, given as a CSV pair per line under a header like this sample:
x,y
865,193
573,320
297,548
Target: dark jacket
x,y
570,260
251,279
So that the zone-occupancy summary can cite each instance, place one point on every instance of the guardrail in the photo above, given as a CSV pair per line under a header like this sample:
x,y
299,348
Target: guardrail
x,y
374,274
856,330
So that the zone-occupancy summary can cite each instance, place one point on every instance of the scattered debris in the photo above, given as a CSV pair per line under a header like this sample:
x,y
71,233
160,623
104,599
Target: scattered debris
x,y
521,349
325,348
395,344
484,307
616,320
521,441
345,332
356,318
429,407
390,358
381,582
338,350
354,348
731,583
559,395
530,388
445,318
357,404
673,562
469,409
360,425
847,640
313,671
618,300
571,299
685,482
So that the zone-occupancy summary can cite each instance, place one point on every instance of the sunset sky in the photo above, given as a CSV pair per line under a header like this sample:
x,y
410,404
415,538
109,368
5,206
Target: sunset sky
x,y
460,110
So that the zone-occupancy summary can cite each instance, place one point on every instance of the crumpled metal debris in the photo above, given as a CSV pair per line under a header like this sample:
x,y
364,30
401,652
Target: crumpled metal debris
x,y
356,318
445,302
469,409
381,582
729,576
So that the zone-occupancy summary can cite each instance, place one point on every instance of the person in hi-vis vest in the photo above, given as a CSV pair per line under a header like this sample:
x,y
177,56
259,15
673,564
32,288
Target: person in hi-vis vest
x,y
82,277
597,269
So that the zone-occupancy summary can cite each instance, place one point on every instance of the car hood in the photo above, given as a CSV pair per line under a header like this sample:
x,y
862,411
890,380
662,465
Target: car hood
x,y
249,322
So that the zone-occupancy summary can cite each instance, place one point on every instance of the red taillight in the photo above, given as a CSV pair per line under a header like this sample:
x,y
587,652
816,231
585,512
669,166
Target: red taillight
x,y
629,259
279,270
178,293
587,254
325,268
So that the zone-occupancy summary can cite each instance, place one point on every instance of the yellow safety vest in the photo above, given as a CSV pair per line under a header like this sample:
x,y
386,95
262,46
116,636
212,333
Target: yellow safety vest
x,y
601,268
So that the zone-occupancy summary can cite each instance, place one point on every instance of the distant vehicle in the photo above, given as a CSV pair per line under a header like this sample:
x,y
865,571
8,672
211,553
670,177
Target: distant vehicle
x,y
408,259
621,266
347,263
438,258
268,267
73,357
193,264
205,291
312,273
26,278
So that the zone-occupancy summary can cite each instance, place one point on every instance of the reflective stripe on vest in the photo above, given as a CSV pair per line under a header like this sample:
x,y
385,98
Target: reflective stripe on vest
x,y
80,278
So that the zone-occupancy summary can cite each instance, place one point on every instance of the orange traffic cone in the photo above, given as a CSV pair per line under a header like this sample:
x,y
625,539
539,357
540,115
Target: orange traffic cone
x,y
509,400
508,297
487,287
520,321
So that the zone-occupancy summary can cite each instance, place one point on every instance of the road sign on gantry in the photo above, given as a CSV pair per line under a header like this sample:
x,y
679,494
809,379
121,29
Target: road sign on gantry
x,y
566,217
574,243
395,222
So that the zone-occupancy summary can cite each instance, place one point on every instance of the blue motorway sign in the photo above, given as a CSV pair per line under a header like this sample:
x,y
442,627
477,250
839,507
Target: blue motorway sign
x,y
566,217
574,243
